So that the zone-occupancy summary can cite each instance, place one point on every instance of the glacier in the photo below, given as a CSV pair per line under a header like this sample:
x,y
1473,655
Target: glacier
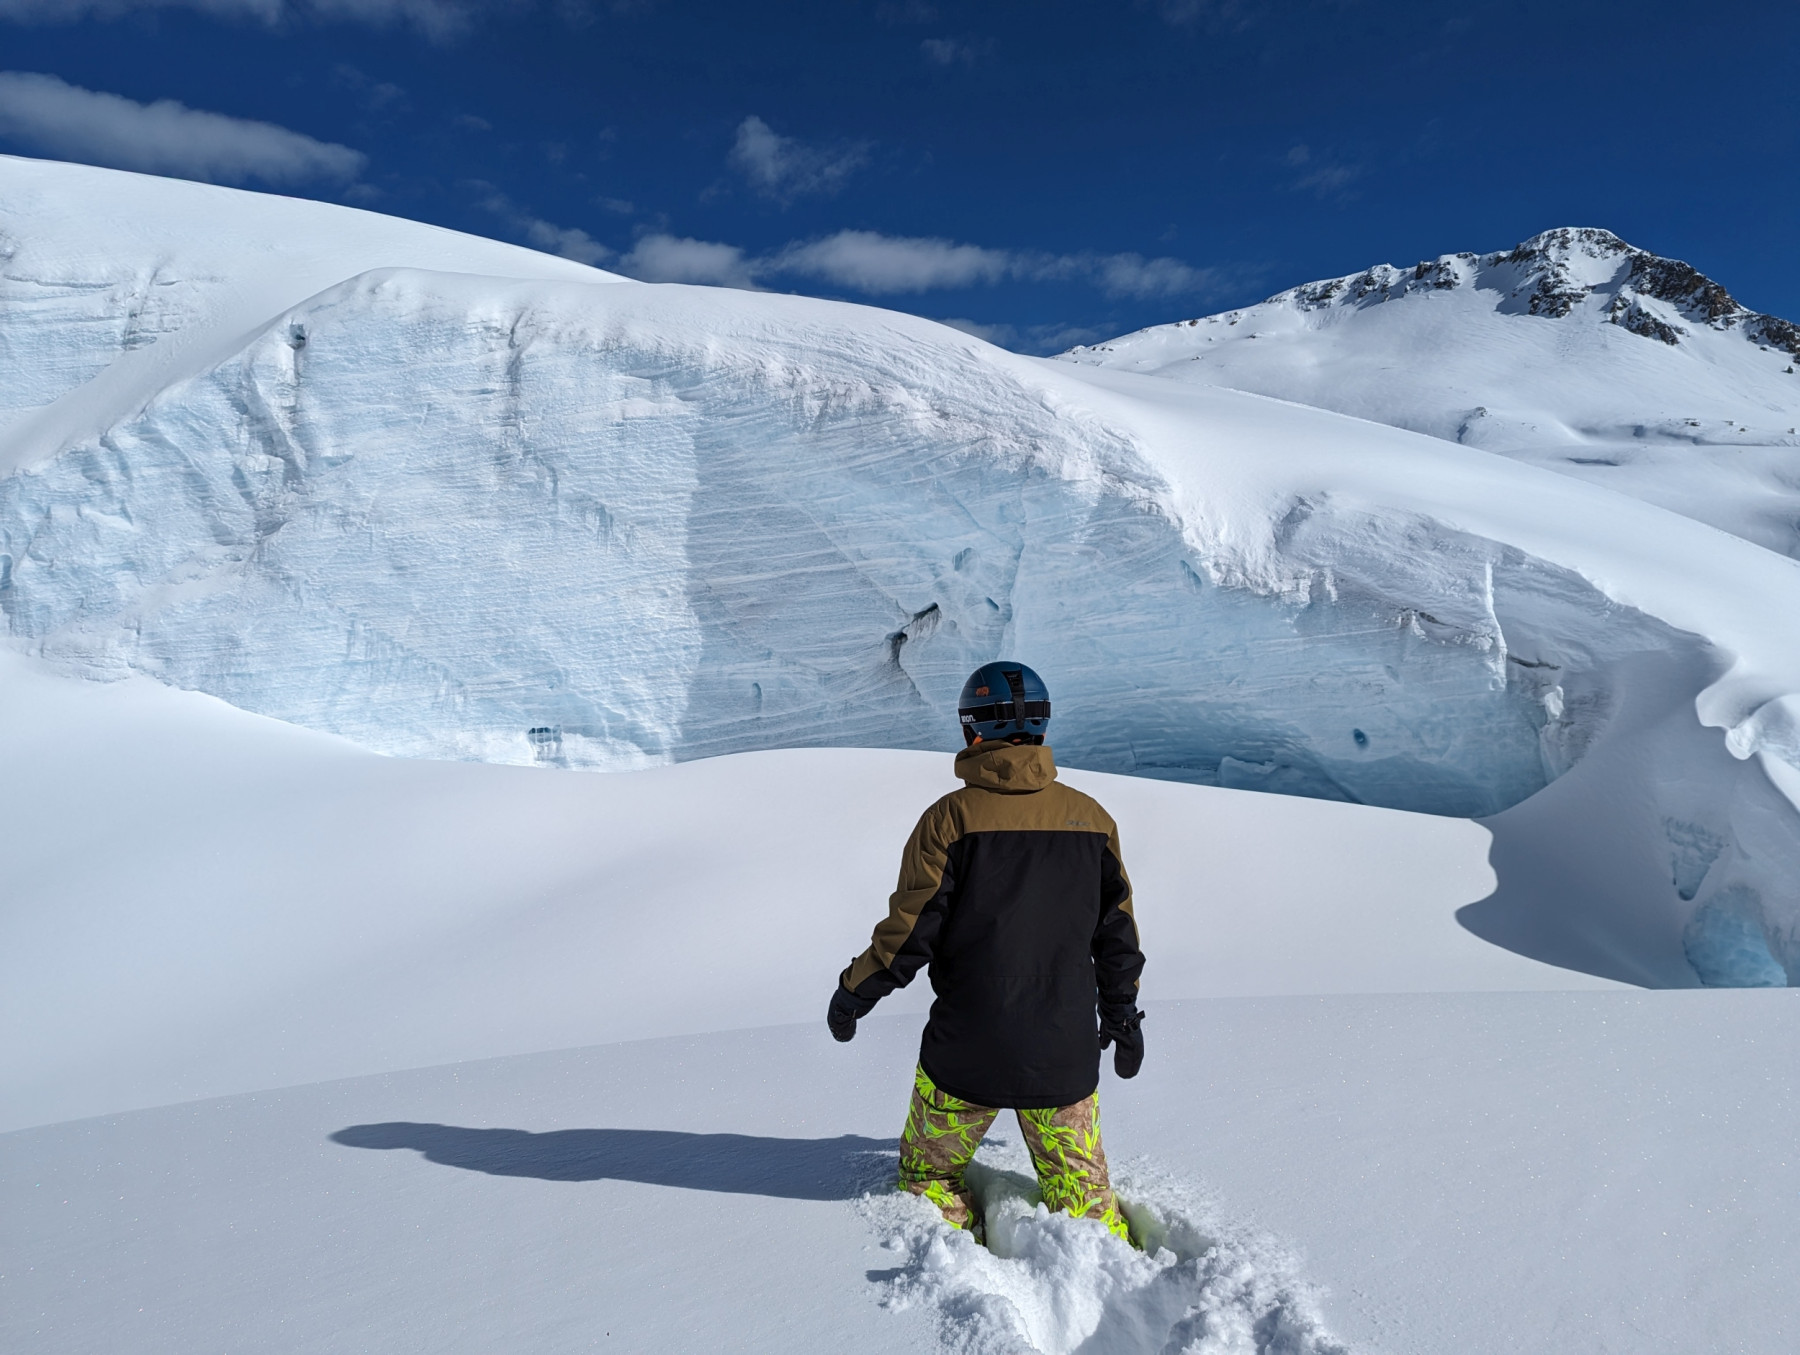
x,y
620,526
468,510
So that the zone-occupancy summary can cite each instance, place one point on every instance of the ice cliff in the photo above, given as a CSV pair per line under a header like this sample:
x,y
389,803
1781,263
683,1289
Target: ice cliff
x,y
607,525
557,517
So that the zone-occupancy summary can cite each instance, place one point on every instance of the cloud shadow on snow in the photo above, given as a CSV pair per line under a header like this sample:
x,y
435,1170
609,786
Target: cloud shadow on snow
x,y
736,1164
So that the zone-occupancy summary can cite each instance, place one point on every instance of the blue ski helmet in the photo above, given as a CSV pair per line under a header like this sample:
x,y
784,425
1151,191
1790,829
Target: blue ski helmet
x,y
1004,700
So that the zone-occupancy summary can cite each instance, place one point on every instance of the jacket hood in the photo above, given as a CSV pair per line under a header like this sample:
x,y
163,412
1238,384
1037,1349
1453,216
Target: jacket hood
x,y
1011,769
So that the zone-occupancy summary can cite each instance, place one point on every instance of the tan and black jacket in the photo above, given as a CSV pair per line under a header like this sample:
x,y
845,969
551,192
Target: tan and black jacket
x,y
1012,889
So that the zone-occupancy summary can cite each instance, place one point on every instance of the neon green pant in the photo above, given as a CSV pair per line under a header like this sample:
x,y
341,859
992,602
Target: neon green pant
x,y
942,1134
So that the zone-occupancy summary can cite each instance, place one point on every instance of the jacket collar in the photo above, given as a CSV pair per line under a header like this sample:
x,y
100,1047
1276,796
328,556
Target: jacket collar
x,y
1011,769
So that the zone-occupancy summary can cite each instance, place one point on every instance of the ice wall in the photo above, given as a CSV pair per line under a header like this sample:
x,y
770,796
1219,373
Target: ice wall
x,y
612,525
460,518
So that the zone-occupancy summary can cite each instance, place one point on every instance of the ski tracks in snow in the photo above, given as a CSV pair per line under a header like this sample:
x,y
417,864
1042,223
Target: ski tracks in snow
x,y
1048,1284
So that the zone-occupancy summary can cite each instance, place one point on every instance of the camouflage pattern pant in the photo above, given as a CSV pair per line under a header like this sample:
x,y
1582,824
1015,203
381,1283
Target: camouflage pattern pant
x,y
942,1134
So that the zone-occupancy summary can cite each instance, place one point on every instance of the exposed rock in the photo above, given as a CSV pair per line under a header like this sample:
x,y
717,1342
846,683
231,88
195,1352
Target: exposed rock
x,y
1550,275
1776,332
1628,314
1699,297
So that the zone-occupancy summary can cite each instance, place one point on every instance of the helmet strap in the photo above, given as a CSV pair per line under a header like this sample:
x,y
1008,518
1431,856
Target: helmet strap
x,y
1016,680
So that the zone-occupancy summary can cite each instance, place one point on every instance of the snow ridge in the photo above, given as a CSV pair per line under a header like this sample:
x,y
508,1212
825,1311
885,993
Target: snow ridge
x,y
114,286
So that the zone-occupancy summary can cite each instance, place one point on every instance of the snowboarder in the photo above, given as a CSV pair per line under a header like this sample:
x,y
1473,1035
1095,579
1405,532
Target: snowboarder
x,y
1013,891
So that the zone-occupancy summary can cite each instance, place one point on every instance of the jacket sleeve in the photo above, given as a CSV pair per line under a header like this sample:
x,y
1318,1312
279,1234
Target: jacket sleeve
x,y
906,938
1118,961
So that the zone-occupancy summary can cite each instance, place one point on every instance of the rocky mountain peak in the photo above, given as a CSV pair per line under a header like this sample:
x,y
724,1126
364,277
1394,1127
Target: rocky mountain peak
x,y
1554,273
1562,243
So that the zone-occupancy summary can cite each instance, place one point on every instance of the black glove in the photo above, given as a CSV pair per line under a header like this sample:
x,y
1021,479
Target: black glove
x,y
845,1010
1120,1025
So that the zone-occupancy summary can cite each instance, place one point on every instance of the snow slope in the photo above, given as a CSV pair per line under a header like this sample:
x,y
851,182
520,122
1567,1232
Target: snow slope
x,y
205,902
1573,351
598,523
1402,1175
275,906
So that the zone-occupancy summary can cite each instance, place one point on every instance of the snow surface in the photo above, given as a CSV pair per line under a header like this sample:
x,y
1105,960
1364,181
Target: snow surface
x,y
413,493
1573,351
1410,1175
204,902
1405,1154
587,522
274,906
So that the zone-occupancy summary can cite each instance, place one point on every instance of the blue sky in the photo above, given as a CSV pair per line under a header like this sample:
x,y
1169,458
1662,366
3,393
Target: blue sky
x,y
1045,172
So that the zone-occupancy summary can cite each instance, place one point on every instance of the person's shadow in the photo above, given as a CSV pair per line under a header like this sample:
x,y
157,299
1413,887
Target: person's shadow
x,y
738,1164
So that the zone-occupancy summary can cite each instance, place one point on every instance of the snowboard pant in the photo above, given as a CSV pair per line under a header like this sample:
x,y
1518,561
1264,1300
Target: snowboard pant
x,y
942,1134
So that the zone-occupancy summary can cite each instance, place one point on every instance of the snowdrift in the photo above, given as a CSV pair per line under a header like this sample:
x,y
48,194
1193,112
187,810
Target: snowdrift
x,y
566,519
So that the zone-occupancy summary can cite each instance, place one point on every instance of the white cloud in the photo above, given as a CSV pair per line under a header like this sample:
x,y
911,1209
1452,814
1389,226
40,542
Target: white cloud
x,y
68,11
377,96
1323,177
782,168
1329,179
948,51
1230,15
1002,334
886,265
1053,338
671,258
870,262
570,242
435,18
1135,276
867,261
1059,338
45,114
